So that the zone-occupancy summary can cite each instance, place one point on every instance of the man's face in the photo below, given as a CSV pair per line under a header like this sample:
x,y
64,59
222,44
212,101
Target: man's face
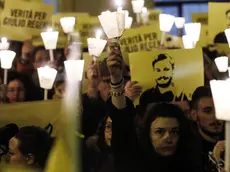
x,y
163,72
206,118
164,133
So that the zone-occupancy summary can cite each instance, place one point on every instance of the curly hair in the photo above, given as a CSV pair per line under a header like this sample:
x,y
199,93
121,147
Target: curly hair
x,y
161,57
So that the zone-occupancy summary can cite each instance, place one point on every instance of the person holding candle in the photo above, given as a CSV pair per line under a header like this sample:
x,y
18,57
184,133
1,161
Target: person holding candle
x,y
210,130
166,144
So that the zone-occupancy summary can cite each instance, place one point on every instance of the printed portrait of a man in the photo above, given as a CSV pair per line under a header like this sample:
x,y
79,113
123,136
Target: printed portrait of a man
x,y
164,91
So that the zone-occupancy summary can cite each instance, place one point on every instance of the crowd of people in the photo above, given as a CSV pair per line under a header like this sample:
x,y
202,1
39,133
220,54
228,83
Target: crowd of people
x,y
158,135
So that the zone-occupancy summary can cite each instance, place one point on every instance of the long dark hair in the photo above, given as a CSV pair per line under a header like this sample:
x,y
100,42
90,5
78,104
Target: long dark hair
x,y
165,110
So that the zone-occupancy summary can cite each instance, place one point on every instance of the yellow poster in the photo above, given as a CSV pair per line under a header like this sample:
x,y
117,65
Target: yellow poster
x,y
87,26
203,19
44,114
154,16
218,20
168,75
200,18
19,21
144,38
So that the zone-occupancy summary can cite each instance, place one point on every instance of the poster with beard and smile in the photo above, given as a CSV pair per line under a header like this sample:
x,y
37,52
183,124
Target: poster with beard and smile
x,y
167,75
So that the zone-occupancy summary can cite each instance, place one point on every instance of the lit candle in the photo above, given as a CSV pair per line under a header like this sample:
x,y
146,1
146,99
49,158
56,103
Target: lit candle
x,y
67,24
50,39
166,23
98,34
222,63
46,77
193,30
137,8
6,58
4,45
119,5
227,33
96,46
179,22
188,42
145,15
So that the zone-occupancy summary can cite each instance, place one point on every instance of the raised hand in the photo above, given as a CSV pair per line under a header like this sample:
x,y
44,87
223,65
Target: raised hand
x,y
132,90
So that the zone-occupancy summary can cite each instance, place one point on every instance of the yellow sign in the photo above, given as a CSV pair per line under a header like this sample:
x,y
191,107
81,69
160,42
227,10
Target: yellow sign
x,y
154,16
87,26
167,73
200,18
19,21
44,114
203,19
218,12
141,39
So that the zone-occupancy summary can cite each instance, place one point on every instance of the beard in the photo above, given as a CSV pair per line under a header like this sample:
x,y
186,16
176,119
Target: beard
x,y
209,133
165,85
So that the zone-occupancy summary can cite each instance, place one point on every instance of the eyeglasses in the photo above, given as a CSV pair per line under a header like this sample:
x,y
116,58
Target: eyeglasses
x,y
108,127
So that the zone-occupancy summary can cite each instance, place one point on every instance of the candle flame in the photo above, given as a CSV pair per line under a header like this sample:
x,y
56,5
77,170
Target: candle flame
x,y
98,34
4,40
144,10
49,30
119,3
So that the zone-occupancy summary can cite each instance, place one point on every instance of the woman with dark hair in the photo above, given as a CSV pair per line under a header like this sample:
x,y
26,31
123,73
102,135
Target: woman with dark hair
x,y
30,147
99,155
165,143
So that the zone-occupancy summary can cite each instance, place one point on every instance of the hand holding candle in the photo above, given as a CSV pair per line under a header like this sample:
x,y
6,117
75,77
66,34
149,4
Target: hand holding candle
x,y
145,16
96,46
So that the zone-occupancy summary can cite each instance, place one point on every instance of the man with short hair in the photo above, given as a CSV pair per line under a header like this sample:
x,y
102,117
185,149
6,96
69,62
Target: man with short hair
x,y
210,130
163,67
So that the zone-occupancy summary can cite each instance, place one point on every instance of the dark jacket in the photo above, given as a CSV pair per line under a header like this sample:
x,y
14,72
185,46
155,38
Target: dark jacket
x,y
93,113
99,155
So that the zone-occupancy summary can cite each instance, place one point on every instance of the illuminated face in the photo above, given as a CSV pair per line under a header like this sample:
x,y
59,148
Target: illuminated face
x,y
205,116
15,91
108,131
163,72
164,134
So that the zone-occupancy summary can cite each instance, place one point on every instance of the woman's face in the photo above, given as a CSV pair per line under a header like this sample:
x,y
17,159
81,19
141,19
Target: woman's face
x,y
108,131
164,134
15,91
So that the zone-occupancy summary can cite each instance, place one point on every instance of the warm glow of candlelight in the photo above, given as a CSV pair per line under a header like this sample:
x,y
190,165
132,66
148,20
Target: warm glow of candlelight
x,y
4,40
98,34
144,10
119,4
49,30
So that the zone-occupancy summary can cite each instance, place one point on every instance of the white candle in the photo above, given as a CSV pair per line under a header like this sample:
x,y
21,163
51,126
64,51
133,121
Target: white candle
x,y
227,33
119,5
179,22
98,34
188,42
50,39
193,30
145,16
96,46
222,63
4,45
68,24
